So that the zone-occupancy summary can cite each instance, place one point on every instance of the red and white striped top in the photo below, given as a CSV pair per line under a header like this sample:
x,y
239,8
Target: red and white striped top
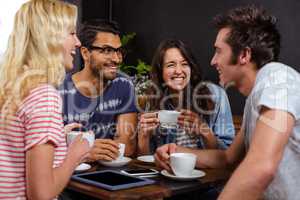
x,y
37,121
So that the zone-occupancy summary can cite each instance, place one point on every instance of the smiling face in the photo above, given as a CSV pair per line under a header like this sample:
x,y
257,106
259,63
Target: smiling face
x,y
176,70
70,44
101,63
222,59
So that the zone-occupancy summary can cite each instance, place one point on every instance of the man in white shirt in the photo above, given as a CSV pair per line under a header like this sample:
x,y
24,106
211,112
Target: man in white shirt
x,y
267,149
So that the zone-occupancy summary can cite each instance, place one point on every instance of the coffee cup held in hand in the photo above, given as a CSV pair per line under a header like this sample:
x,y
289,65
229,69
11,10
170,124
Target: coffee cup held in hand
x,y
168,118
183,164
121,151
89,136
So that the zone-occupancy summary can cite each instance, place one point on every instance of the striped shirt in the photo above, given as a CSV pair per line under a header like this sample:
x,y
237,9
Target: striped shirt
x,y
37,121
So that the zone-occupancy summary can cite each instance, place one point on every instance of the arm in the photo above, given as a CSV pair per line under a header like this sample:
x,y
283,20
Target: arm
x,y
266,149
43,134
126,130
193,124
205,158
148,122
220,121
42,180
208,136
143,143
219,132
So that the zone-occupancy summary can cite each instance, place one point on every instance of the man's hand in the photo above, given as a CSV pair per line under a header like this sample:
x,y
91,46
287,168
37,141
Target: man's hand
x,y
162,155
104,149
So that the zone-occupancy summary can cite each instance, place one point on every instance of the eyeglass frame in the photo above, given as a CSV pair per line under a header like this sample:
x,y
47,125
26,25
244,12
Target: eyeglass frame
x,y
119,51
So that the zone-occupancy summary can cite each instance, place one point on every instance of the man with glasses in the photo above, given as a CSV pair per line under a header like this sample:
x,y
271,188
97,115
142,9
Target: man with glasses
x,y
98,96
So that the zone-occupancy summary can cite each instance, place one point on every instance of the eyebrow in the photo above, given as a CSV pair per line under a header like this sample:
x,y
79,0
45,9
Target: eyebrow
x,y
184,60
106,45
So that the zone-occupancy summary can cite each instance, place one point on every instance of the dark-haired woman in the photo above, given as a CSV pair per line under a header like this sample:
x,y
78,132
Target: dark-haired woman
x,y
205,119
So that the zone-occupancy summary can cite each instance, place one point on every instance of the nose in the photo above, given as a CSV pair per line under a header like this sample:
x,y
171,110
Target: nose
x,y
77,42
116,57
213,61
178,69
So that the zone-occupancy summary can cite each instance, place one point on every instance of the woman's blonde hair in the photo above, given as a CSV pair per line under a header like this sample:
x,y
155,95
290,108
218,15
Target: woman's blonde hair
x,y
34,55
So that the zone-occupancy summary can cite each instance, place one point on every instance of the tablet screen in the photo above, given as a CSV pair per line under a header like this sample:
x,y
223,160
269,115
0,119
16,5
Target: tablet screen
x,y
110,178
138,171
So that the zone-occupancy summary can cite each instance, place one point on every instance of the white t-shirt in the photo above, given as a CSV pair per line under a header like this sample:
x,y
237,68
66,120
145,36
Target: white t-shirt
x,y
277,86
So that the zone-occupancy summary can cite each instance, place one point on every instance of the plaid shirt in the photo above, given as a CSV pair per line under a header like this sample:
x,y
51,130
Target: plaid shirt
x,y
220,122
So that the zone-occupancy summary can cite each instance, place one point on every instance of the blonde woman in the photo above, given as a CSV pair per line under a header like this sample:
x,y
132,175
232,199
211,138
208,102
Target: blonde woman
x,y
34,161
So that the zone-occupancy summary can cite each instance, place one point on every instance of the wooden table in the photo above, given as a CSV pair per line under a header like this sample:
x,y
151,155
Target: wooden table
x,y
163,188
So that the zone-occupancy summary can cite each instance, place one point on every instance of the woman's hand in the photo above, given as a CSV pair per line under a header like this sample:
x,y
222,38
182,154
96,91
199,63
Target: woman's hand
x,y
68,128
191,122
79,148
147,123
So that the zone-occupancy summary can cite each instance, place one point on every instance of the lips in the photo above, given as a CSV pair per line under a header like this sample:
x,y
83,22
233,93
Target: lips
x,y
111,67
72,54
221,80
177,78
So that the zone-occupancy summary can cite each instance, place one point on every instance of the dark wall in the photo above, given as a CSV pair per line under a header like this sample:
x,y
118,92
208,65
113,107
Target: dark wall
x,y
95,9
155,20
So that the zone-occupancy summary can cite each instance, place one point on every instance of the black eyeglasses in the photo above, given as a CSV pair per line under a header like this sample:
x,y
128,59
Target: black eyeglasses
x,y
108,50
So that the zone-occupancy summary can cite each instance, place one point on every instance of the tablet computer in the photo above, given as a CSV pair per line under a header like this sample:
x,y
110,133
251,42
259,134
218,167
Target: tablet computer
x,y
111,180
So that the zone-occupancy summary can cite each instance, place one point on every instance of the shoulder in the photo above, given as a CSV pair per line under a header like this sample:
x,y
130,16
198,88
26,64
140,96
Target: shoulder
x,y
275,88
122,80
43,95
277,73
44,90
216,91
213,88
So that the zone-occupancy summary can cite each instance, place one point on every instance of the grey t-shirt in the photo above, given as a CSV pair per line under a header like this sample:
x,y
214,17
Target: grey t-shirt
x,y
277,86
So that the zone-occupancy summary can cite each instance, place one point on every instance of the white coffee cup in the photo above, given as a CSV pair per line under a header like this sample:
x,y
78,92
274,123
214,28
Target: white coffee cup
x,y
89,136
168,117
121,151
183,164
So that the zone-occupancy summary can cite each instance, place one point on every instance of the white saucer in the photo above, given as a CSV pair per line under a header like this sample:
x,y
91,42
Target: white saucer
x,y
147,158
195,174
82,167
116,163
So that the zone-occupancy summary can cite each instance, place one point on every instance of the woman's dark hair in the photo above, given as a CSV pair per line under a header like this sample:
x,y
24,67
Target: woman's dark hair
x,y
251,27
196,77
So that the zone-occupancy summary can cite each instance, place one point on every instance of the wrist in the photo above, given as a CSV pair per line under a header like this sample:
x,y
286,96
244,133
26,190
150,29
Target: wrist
x,y
203,129
71,161
144,135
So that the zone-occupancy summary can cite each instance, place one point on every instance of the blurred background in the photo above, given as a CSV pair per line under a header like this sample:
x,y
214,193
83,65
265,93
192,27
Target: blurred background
x,y
155,20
